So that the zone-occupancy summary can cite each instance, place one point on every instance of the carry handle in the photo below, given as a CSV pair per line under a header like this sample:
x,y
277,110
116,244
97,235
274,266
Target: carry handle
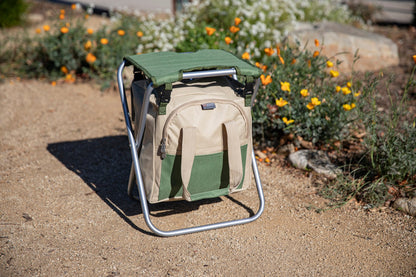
x,y
234,157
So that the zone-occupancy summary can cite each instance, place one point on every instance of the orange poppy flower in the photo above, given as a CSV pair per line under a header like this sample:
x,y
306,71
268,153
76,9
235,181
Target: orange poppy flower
x,y
210,31
265,80
234,29
90,58
246,56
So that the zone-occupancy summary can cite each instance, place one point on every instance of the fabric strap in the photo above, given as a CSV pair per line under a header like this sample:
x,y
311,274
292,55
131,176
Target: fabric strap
x,y
234,157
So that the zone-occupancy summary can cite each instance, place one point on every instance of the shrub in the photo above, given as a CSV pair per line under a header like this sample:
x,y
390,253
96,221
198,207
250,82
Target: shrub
x,y
303,98
386,169
263,22
11,12
391,146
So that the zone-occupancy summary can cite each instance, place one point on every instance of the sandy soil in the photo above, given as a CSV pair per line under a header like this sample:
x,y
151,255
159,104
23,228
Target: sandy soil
x,y
64,165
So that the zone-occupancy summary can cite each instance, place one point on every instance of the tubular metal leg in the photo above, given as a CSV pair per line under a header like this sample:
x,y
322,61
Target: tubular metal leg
x,y
136,172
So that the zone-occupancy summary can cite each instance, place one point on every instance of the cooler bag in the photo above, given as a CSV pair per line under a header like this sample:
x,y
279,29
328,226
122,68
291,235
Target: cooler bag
x,y
200,146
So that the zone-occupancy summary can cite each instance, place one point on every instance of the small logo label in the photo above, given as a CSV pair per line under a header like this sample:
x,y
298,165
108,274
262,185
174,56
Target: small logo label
x,y
208,106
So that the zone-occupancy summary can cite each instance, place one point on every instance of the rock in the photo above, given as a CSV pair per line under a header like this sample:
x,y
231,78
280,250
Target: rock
x,y
260,154
315,160
406,205
35,18
285,150
303,143
342,41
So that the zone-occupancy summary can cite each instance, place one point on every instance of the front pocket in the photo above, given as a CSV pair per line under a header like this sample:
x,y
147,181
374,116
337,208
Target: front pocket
x,y
208,122
209,176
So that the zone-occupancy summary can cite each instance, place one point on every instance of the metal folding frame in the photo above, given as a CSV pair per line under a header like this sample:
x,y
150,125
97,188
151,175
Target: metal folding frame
x,y
135,144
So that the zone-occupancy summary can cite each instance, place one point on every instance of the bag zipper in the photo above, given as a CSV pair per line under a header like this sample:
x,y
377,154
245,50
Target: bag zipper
x,y
191,103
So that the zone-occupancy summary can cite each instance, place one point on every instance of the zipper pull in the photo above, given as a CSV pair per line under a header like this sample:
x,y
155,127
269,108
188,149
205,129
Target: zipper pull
x,y
163,148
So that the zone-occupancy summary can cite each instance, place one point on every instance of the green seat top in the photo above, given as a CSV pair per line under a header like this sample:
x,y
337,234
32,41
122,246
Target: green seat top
x,y
168,67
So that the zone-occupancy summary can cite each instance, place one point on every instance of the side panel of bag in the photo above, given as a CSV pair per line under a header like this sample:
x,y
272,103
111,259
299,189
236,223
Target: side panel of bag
x,y
147,155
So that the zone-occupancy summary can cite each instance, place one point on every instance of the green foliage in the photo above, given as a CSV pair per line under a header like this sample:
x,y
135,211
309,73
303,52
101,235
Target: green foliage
x,y
310,83
391,143
66,50
11,12
48,53
387,167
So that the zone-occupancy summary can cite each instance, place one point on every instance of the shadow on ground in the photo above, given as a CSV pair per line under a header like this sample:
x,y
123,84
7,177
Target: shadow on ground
x,y
104,165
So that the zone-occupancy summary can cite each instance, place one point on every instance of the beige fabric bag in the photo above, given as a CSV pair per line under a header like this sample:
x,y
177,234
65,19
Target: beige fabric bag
x,y
201,148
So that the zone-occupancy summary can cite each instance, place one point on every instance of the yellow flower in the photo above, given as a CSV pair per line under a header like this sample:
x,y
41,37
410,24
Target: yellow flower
x,y
316,43
349,84
334,73
414,58
64,30
64,69
315,101
304,92
265,80
286,121
104,41
121,32
46,28
310,106
285,86
345,90
281,102
62,16
37,30
315,54
139,34
268,51
73,6
234,29
352,105
53,83
357,94
237,21
87,45
90,31
246,56
62,11
347,107
337,88
90,58
258,64
329,64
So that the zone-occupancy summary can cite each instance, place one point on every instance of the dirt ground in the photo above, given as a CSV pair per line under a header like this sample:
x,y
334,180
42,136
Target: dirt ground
x,y
64,211
64,166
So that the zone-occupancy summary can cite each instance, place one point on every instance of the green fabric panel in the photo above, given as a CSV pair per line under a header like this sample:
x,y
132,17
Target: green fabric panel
x,y
167,67
209,194
209,176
